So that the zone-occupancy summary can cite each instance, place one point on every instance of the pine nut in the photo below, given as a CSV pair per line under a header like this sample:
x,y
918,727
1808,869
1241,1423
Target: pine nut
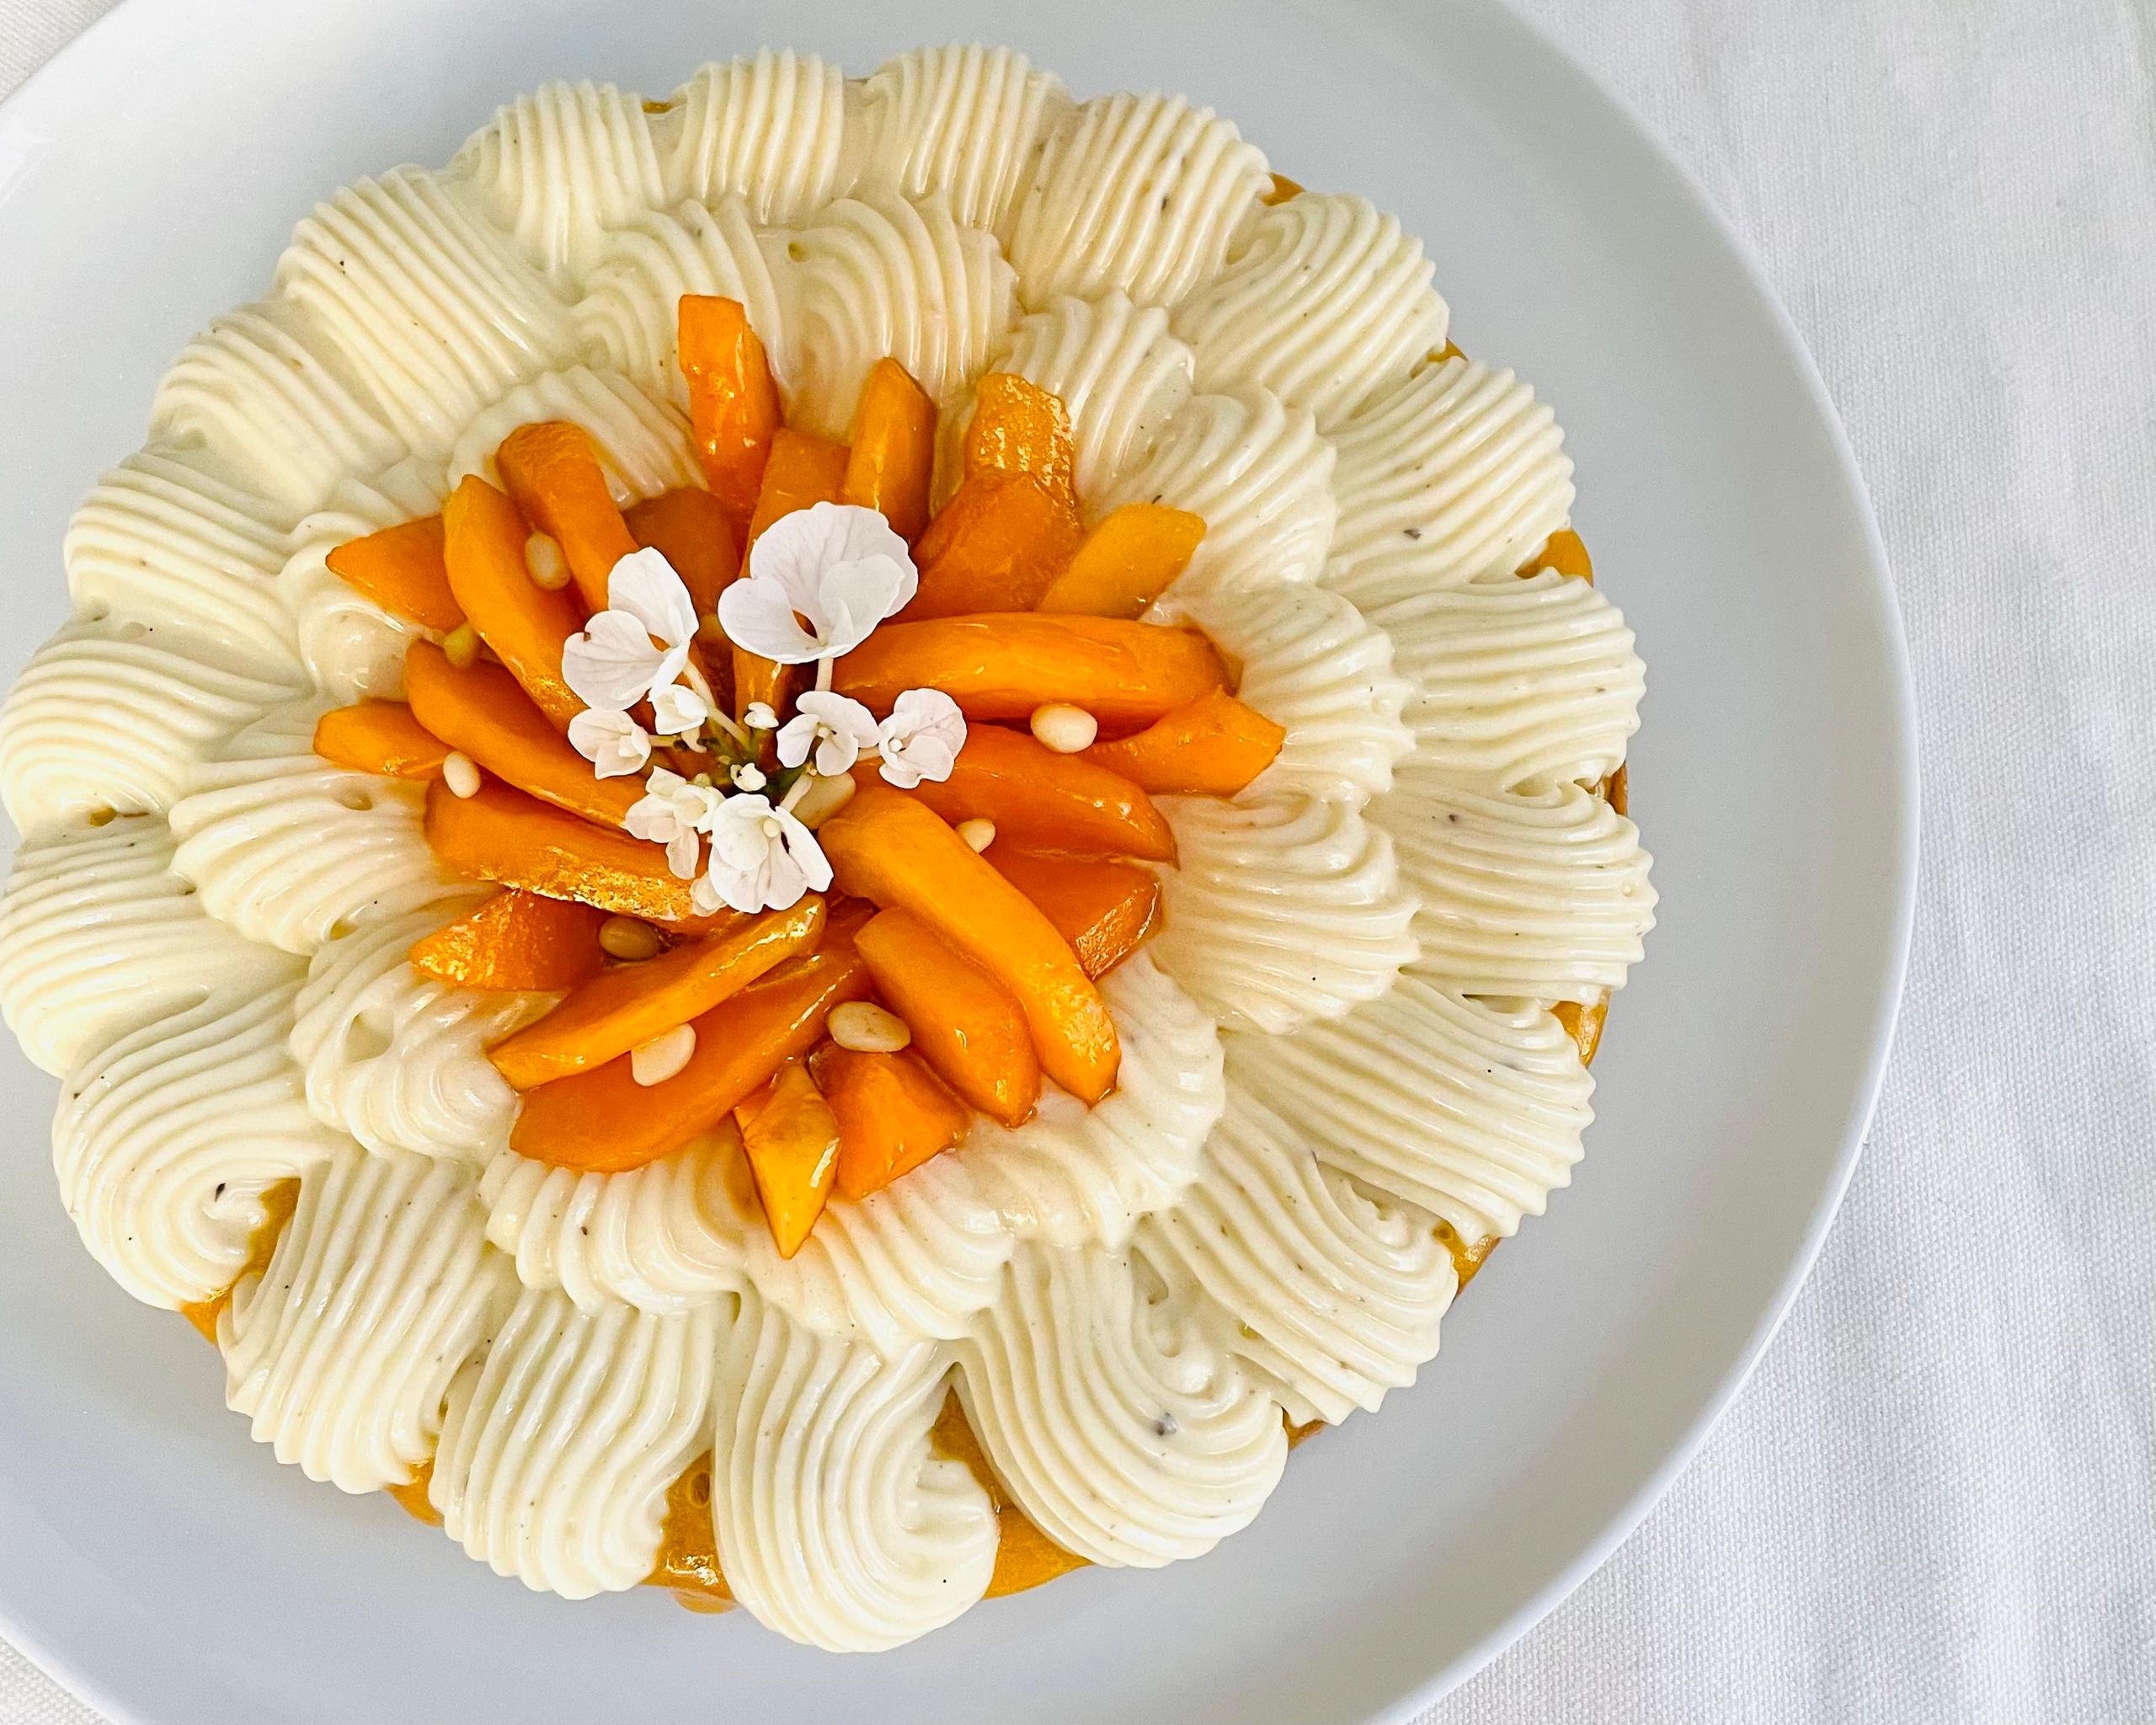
x,y
979,833
824,798
1064,729
461,773
462,644
867,1028
629,937
655,1061
543,558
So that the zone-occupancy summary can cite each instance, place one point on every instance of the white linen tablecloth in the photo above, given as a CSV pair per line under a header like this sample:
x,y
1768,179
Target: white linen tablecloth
x,y
1937,1499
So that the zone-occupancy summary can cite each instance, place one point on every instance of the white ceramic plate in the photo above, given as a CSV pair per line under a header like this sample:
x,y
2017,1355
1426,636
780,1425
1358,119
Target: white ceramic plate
x,y
168,1569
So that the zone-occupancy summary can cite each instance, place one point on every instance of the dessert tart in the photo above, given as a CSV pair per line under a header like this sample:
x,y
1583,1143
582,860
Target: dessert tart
x,y
819,840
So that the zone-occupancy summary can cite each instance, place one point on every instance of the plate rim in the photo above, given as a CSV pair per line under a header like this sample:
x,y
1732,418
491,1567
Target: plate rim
x,y
1901,758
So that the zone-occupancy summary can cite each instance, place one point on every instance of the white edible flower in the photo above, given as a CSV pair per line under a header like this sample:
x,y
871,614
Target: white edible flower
x,y
613,743
762,858
678,710
748,777
837,726
638,645
758,716
672,812
837,568
922,738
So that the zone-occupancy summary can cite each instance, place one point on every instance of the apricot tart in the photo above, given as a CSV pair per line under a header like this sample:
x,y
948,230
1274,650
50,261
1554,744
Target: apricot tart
x,y
819,841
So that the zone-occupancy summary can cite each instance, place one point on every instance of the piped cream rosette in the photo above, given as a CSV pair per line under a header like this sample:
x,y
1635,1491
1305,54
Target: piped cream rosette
x,y
1341,1038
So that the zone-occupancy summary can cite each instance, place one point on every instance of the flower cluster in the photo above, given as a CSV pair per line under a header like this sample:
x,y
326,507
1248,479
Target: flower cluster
x,y
818,583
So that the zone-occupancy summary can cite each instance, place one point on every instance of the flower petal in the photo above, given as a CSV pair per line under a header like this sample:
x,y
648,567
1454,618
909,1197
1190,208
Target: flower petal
x,y
858,596
796,737
683,851
612,663
644,584
677,710
758,617
613,742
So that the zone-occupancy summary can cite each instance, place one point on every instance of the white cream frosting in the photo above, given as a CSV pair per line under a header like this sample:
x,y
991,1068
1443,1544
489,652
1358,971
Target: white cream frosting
x,y
1115,367
1281,909
1456,472
558,1446
1323,301
398,1060
166,1138
838,1524
1543,893
342,1351
1339,1033
1113,1410
1141,194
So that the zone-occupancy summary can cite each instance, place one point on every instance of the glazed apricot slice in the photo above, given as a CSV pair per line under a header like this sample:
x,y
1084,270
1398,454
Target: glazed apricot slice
x,y
525,624
401,568
604,1121
1126,561
1281,190
1045,801
884,847
894,450
1212,747
893,1114
689,528
482,711
516,940
965,1023
623,1008
734,408
554,477
1566,553
1103,910
998,545
1019,428
504,835
1583,1024
379,736
1004,665
791,1135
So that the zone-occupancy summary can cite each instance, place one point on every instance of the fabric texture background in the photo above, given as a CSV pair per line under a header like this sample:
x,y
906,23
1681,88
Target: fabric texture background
x,y
1937,1499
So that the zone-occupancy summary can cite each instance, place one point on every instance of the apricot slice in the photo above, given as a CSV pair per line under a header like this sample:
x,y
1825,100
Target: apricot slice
x,y
1104,910
1212,747
1126,561
734,408
516,940
1583,1024
502,834
1019,428
401,568
1617,788
885,846
965,1023
998,545
894,450
623,1008
792,1138
554,477
893,1114
483,711
606,1121
1044,800
483,545
1566,553
1281,190
1004,665
379,736
689,528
